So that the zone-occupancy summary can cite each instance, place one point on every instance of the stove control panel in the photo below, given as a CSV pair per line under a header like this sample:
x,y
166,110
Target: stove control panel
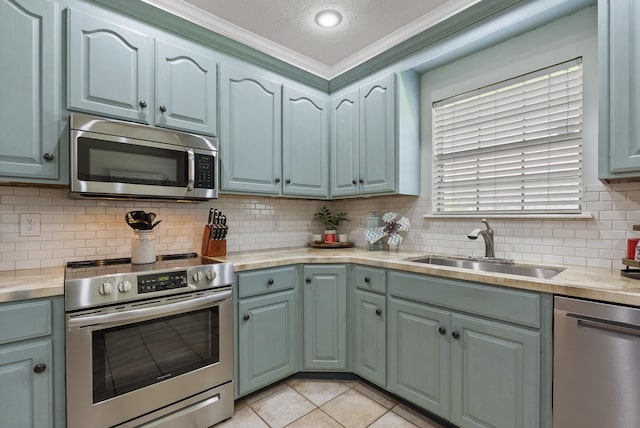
x,y
162,281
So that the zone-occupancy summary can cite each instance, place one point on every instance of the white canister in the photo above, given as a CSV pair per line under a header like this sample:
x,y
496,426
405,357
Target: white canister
x,y
343,237
143,247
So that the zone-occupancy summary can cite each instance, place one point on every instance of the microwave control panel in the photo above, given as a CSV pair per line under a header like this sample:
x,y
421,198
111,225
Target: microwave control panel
x,y
205,172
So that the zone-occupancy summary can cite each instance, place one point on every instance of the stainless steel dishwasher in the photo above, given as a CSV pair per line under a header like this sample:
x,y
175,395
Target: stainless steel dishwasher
x,y
596,365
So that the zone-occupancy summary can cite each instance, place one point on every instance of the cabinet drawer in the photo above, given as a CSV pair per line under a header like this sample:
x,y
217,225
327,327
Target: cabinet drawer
x,y
19,321
266,281
500,303
371,279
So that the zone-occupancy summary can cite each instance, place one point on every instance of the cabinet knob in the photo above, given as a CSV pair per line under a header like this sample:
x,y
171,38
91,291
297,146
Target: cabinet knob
x,y
48,156
270,282
442,330
367,279
307,280
39,368
163,109
143,104
361,181
277,180
246,317
354,181
455,335
288,181
378,311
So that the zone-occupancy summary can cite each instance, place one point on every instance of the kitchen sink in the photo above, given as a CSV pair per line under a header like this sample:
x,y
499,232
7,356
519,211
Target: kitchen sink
x,y
491,265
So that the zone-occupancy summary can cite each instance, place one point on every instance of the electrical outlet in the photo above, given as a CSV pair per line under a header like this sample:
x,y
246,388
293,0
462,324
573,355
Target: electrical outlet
x,y
275,222
29,224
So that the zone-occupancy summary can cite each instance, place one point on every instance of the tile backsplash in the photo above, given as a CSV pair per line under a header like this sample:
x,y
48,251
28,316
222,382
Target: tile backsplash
x,y
73,229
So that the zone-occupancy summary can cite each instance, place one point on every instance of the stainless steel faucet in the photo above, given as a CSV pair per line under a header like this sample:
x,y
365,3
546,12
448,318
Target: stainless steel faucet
x,y
487,234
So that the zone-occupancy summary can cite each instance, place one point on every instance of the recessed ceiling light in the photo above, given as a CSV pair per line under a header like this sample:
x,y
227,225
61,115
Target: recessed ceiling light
x,y
328,18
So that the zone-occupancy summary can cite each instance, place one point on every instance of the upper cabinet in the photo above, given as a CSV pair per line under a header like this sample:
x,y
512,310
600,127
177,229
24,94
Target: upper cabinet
x,y
29,82
250,132
375,146
619,104
305,144
117,70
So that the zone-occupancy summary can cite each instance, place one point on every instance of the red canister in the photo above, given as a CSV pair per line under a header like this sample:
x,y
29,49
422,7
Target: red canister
x,y
631,247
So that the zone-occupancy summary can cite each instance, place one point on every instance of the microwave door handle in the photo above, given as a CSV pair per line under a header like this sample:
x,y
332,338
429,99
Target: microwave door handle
x,y
191,169
140,314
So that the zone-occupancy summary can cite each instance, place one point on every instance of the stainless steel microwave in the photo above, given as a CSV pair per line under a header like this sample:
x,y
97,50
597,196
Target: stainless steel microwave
x,y
112,158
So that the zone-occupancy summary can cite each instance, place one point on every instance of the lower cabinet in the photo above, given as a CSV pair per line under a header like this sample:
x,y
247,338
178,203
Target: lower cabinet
x,y
32,364
325,317
369,337
266,328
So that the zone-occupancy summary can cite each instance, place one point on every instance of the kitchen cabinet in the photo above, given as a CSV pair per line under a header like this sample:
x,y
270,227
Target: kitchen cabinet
x,y
369,344
619,92
266,327
250,132
325,317
375,137
29,82
447,357
32,364
305,144
117,69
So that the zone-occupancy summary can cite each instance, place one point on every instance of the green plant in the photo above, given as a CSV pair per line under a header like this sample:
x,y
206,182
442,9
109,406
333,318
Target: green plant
x,y
330,221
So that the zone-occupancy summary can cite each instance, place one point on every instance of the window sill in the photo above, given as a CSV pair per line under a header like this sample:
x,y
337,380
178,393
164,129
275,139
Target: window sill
x,y
583,216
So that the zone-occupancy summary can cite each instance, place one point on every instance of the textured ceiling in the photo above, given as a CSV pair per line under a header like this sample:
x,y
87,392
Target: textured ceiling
x,y
286,28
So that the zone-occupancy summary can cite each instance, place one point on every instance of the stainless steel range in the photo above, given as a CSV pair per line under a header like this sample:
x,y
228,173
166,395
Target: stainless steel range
x,y
149,345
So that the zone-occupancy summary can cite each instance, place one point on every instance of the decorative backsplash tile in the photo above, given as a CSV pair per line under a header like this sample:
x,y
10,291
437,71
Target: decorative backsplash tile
x,y
74,229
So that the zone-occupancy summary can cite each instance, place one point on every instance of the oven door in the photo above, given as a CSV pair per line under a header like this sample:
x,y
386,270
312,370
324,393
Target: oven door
x,y
134,359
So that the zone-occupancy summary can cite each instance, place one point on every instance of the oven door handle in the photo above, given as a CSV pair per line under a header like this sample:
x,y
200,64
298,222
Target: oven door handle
x,y
191,169
143,313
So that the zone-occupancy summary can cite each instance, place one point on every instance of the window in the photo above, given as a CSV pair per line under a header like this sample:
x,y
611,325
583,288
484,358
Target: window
x,y
514,147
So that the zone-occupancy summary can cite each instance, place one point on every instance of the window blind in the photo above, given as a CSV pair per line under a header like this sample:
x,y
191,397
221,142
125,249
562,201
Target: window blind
x,y
514,147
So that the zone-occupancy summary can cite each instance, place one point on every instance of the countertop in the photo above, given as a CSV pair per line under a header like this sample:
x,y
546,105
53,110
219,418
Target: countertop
x,y
590,283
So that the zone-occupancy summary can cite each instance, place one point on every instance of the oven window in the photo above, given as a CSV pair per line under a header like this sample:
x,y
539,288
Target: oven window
x,y
133,356
108,161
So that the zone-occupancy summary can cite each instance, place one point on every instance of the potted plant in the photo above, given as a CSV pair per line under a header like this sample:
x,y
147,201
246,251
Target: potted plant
x,y
330,222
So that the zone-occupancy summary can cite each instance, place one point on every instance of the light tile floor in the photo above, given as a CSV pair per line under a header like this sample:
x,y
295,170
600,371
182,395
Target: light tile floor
x,y
320,403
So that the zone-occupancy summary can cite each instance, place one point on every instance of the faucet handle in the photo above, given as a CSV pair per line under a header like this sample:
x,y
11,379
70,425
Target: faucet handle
x,y
484,220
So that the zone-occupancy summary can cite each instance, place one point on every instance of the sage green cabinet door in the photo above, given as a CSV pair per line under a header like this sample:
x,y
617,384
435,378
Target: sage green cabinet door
x,y
345,144
305,144
378,136
25,396
266,340
325,317
186,88
250,132
419,355
619,56
369,336
109,67
29,111
495,374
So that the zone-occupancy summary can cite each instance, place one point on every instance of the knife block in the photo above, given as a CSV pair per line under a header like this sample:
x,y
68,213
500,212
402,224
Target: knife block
x,y
212,247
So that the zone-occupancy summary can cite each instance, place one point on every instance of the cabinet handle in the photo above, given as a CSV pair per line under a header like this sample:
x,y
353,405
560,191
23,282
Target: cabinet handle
x,y
39,368
455,335
277,180
354,181
378,311
361,181
143,104
442,330
270,282
246,317
367,279
48,156
308,280
163,109
288,181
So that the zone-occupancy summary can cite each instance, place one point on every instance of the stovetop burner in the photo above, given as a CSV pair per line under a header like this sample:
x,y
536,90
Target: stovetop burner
x,y
127,260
